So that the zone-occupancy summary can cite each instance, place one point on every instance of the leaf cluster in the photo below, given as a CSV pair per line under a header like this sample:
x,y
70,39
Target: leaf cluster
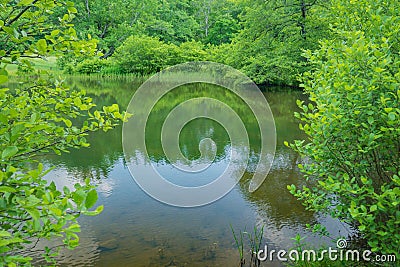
x,y
40,117
353,122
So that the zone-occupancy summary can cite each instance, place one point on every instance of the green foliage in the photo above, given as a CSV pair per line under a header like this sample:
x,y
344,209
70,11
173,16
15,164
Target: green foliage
x,y
41,116
145,55
171,24
90,66
353,122
191,51
26,32
223,30
254,239
171,21
264,39
269,47
174,22
239,241
300,246
110,22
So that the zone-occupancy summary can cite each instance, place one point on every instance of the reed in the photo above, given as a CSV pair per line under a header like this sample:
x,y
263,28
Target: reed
x,y
239,244
255,239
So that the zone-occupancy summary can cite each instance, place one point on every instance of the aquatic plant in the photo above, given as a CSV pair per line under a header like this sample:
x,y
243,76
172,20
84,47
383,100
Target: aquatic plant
x,y
255,239
239,244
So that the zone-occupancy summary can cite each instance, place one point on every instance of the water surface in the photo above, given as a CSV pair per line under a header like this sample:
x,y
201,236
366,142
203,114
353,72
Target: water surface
x,y
136,230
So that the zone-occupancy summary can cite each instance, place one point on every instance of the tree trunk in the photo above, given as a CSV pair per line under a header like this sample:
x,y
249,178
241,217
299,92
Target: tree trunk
x,y
87,8
108,53
303,22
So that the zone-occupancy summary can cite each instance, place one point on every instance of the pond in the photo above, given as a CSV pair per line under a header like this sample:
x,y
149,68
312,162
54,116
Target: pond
x,y
136,230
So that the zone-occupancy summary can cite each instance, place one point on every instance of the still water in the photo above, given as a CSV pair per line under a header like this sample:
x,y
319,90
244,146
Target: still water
x,y
136,230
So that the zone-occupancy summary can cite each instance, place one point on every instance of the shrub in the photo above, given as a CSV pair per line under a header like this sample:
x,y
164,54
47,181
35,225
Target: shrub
x,y
144,55
353,124
39,117
90,66
191,51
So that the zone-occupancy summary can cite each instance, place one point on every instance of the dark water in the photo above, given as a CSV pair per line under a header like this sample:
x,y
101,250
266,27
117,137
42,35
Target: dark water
x,y
136,230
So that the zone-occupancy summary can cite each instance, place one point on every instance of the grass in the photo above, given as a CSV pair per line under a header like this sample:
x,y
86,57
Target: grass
x,y
48,64
255,239
109,76
239,244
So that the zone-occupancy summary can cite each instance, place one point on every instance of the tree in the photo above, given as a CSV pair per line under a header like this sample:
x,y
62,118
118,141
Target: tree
x,y
353,122
174,22
269,47
223,30
111,23
40,117
170,21
218,20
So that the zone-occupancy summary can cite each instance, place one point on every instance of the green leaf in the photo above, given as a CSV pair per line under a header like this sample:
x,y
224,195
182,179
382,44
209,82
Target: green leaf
x,y
392,116
54,32
286,143
9,152
3,79
97,211
91,199
72,10
75,228
34,213
4,233
364,180
78,196
8,30
3,119
7,189
68,123
77,101
5,242
42,46
25,2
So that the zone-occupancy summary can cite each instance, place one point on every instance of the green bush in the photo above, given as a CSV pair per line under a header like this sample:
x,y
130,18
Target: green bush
x,y
145,55
353,123
191,51
42,117
90,66
66,62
